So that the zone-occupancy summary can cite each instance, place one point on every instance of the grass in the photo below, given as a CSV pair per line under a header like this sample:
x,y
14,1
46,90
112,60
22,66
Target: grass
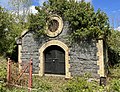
x,y
115,71
59,84
48,84
3,73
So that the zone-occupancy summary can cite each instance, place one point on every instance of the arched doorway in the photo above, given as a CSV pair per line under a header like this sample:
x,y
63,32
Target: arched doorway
x,y
54,60
60,45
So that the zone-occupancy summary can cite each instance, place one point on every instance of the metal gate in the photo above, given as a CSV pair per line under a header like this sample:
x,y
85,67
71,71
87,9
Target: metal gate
x,y
19,77
54,60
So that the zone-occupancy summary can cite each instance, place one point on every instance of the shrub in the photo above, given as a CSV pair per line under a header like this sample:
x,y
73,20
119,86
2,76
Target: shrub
x,y
81,84
114,48
115,85
78,84
40,85
3,73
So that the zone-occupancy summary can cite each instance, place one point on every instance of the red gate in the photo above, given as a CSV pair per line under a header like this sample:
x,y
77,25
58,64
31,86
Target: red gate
x,y
20,77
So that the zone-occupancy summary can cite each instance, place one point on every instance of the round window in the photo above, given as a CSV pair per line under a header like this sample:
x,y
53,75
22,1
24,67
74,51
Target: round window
x,y
54,26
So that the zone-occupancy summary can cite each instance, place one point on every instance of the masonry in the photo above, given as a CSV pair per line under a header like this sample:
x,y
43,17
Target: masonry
x,y
87,56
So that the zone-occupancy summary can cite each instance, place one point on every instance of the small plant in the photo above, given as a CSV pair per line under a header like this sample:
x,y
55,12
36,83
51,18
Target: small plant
x,y
115,85
3,73
2,87
40,85
78,84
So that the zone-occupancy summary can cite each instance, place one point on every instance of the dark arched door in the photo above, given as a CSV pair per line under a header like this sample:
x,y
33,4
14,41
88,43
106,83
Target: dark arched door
x,y
54,60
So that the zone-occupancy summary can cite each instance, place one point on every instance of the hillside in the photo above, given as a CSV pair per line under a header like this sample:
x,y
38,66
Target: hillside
x,y
59,84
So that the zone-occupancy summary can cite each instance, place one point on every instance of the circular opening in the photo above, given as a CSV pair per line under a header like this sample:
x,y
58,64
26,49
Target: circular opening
x,y
53,25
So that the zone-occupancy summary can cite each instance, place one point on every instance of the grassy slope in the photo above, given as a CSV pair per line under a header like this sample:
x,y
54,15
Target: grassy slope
x,y
58,84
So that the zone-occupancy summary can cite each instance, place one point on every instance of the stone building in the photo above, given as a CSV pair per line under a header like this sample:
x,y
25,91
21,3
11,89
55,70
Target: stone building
x,y
55,55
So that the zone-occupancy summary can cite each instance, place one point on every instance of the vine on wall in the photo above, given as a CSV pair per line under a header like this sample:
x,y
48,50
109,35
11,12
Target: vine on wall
x,y
83,21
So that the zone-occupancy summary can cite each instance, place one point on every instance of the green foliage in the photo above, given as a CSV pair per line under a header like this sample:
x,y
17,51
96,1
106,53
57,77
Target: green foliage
x,y
15,89
81,84
114,47
3,74
38,22
41,85
9,30
78,85
115,85
114,71
82,19
114,41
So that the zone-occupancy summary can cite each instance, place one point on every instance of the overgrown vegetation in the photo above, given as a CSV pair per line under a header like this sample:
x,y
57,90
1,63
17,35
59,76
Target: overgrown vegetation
x,y
9,30
3,74
83,21
11,26
114,48
59,84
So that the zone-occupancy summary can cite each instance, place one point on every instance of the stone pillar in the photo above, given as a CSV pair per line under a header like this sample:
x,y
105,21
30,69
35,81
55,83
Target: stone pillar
x,y
19,56
100,61
67,65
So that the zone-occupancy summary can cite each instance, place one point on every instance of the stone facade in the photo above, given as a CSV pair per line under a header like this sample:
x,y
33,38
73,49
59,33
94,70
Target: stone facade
x,y
83,57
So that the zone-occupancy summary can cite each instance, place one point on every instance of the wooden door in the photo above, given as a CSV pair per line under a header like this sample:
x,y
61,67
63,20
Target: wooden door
x,y
54,60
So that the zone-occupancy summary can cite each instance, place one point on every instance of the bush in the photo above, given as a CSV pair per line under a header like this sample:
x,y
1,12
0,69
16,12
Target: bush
x,y
78,84
115,85
81,84
40,85
114,48
3,74
2,87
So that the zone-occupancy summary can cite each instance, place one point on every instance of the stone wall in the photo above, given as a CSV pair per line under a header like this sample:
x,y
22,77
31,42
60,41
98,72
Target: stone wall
x,y
83,55
83,58
30,50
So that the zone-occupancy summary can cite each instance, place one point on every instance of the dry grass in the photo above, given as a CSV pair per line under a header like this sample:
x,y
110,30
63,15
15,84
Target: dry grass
x,y
49,83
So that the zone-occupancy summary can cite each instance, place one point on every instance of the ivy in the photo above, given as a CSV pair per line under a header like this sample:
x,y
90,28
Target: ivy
x,y
38,21
83,21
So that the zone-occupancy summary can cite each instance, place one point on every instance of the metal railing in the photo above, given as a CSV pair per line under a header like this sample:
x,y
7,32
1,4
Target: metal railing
x,y
20,77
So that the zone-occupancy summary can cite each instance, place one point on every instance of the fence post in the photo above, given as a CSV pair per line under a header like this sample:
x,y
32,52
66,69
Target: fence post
x,y
30,75
8,70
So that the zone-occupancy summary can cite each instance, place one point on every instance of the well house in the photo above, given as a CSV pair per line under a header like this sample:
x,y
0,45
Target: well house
x,y
55,55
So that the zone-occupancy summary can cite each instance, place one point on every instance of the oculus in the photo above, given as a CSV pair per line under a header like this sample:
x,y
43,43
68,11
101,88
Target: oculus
x,y
54,26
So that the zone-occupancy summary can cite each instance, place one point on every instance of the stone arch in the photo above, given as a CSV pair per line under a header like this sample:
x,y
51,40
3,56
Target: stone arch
x,y
64,47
